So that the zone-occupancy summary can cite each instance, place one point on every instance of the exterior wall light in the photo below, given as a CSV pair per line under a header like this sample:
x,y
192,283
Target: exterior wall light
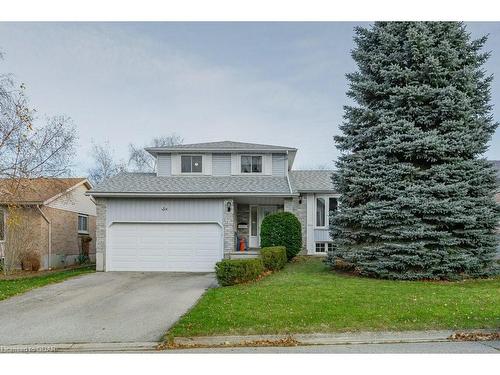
x,y
228,206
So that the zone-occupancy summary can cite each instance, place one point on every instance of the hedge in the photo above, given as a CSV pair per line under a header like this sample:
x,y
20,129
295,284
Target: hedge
x,y
282,229
274,258
236,271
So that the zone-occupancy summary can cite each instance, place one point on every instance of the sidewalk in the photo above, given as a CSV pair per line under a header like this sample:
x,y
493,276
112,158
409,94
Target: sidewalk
x,y
313,339
303,342
91,347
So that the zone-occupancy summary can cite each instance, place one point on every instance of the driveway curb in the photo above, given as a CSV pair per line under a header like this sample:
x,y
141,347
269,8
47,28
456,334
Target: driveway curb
x,y
317,339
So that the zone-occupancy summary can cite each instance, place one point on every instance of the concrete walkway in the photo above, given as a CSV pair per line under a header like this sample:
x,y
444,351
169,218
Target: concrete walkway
x,y
105,307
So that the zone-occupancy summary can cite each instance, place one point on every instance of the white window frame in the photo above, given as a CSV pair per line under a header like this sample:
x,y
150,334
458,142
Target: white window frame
x,y
326,198
262,161
78,224
191,155
327,246
316,244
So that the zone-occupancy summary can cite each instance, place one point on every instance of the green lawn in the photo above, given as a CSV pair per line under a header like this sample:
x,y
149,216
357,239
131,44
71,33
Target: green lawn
x,y
9,288
307,297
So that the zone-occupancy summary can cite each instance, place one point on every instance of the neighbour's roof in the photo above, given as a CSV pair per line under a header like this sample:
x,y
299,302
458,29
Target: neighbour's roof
x,y
150,184
311,180
35,190
220,146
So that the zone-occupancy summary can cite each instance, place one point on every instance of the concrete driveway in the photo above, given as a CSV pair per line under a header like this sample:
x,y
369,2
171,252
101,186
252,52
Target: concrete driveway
x,y
101,307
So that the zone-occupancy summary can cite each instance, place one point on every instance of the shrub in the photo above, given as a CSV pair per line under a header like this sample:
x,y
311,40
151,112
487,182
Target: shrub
x,y
274,258
282,229
30,261
236,271
82,259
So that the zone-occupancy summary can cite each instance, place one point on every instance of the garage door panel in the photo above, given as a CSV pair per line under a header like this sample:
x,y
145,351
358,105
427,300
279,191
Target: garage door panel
x,y
164,247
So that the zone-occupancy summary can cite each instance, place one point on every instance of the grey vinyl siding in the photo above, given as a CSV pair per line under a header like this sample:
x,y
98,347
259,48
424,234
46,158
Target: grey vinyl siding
x,y
279,164
164,165
221,164
322,235
164,210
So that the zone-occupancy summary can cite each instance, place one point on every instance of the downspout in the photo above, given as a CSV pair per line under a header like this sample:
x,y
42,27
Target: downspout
x,y
50,235
287,175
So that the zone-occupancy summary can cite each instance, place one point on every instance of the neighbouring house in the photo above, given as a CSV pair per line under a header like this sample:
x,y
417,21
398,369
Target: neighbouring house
x,y
55,217
203,203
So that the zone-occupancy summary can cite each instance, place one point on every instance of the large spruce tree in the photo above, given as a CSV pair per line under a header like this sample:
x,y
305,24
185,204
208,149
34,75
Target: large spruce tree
x,y
417,194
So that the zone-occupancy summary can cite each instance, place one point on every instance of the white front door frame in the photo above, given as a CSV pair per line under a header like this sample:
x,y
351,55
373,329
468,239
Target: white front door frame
x,y
253,240
262,212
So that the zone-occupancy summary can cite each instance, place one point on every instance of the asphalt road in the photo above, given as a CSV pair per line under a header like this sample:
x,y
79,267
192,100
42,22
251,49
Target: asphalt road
x,y
407,348
103,307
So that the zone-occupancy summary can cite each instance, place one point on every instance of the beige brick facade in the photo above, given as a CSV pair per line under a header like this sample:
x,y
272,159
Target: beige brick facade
x,y
66,242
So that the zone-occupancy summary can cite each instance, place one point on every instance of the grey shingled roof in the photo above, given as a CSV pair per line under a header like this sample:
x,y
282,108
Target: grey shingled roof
x,y
220,146
149,183
311,181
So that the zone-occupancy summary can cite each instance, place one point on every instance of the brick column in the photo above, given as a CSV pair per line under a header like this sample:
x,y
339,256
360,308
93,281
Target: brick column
x,y
300,210
229,228
100,244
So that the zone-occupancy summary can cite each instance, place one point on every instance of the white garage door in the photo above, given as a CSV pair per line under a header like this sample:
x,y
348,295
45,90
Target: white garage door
x,y
164,247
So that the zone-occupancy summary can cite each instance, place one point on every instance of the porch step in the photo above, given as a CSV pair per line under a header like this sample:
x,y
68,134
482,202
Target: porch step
x,y
243,254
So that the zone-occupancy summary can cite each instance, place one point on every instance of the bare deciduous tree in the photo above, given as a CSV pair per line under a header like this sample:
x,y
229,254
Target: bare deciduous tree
x,y
29,148
141,161
20,245
105,165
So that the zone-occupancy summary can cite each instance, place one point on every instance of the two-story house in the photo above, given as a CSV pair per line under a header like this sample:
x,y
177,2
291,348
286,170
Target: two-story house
x,y
205,202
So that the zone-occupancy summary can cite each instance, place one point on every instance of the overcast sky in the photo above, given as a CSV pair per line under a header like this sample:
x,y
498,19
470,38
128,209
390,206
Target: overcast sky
x,y
275,83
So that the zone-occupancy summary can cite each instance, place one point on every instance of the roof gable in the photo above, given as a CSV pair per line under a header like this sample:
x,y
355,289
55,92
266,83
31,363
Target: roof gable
x,y
36,190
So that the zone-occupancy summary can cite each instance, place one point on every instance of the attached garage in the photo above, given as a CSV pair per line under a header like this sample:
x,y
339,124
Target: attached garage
x,y
174,235
164,247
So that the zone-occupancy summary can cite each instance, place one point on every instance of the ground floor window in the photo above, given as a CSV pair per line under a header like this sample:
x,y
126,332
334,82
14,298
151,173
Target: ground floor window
x,y
322,247
83,223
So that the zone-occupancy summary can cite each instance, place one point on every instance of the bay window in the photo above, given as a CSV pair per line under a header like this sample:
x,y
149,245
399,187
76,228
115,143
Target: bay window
x,y
320,212
325,206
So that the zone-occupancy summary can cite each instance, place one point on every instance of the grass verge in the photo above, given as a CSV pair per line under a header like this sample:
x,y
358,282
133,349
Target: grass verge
x,y
11,287
307,297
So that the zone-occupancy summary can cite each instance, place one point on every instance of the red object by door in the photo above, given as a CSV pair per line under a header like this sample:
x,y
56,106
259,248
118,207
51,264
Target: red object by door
x,y
242,244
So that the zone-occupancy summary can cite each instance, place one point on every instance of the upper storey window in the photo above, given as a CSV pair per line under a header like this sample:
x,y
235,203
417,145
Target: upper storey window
x,y
251,164
191,164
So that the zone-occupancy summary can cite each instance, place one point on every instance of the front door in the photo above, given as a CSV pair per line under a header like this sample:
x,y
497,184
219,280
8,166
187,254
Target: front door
x,y
257,214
